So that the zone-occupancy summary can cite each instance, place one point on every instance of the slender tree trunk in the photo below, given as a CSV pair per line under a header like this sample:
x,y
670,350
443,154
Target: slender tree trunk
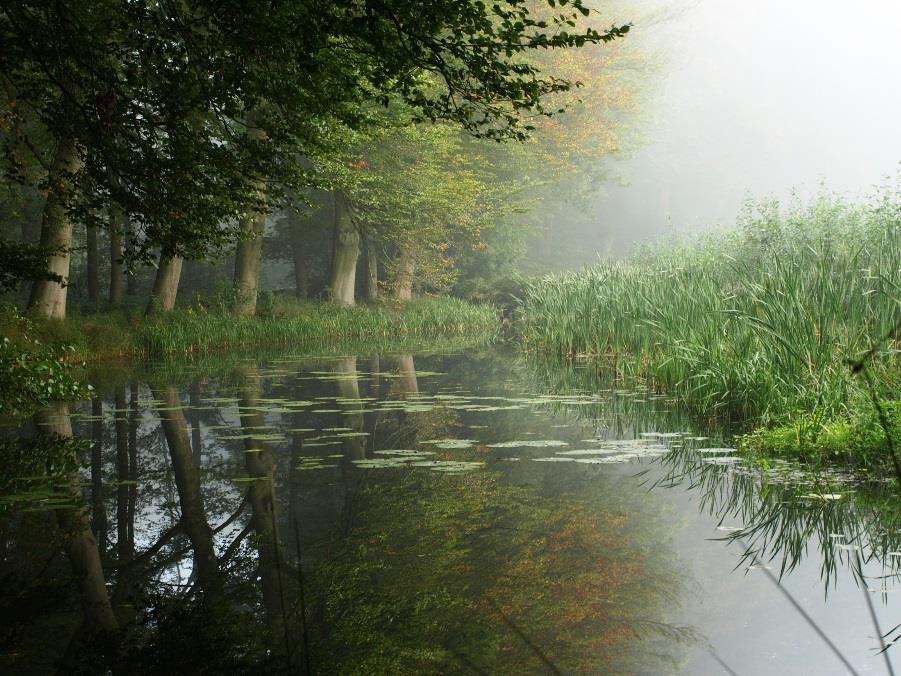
x,y
125,592
131,279
48,298
345,253
93,265
80,543
165,285
299,249
403,283
372,268
248,258
116,269
375,379
133,422
123,475
196,438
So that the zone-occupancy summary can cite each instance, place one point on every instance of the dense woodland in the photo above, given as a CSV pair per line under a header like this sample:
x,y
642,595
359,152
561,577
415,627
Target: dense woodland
x,y
335,151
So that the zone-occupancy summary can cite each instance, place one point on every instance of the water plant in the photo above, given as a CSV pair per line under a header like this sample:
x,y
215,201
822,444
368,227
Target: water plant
x,y
757,324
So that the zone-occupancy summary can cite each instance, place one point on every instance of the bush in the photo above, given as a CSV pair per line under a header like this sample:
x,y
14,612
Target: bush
x,y
33,374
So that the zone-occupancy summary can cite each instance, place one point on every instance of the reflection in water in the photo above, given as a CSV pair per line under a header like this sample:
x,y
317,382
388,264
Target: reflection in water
x,y
782,510
260,466
80,545
427,515
193,521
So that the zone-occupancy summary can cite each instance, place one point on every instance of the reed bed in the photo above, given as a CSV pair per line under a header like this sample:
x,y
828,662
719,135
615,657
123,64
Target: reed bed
x,y
287,323
295,323
756,324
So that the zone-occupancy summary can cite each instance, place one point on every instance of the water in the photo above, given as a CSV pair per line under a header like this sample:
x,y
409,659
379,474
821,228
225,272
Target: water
x,y
477,512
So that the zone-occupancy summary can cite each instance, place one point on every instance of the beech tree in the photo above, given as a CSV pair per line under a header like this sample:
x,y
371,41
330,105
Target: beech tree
x,y
179,113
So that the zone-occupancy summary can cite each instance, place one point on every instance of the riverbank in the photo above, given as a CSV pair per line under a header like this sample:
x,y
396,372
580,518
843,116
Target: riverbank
x,y
122,334
758,327
37,357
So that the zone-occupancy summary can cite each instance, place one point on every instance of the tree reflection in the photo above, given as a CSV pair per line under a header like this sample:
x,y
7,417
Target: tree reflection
x,y
261,494
445,574
187,480
98,620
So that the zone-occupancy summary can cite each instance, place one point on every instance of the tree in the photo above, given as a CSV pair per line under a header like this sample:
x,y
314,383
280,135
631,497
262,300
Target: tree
x,y
144,101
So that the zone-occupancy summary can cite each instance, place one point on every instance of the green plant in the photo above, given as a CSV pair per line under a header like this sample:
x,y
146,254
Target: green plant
x,y
33,373
755,325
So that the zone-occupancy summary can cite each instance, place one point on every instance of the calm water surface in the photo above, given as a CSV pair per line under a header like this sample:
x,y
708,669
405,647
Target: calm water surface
x,y
401,513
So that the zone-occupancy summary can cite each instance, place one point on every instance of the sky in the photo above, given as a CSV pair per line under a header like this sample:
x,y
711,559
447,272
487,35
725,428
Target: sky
x,y
758,98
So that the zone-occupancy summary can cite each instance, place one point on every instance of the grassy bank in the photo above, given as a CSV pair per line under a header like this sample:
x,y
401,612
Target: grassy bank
x,y
756,325
36,358
287,323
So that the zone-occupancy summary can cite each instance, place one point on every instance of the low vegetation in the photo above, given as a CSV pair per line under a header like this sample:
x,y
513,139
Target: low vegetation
x,y
283,322
40,360
32,372
757,326
288,323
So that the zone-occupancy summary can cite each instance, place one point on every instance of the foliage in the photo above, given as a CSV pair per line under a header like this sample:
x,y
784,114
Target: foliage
x,y
179,111
30,470
756,325
33,374
20,261
858,438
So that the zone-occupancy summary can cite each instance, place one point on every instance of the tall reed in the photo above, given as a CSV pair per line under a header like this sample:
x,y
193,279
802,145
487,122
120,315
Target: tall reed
x,y
755,323
296,324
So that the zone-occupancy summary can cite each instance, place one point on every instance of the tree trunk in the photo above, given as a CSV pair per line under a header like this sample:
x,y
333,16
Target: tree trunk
x,y
249,250
93,265
403,284
134,415
131,279
48,298
125,596
248,257
375,380
345,253
165,285
194,412
80,543
298,249
372,269
407,382
116,269
123,476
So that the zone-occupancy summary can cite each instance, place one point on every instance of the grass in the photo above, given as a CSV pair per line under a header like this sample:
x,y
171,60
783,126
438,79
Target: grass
x,y
291,322
755,325
287,322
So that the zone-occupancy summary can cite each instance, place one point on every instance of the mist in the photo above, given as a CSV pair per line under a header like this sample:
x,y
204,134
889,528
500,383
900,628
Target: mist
x,y
755,100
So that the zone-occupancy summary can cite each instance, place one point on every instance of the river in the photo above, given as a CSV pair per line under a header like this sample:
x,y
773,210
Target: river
x,y
472,511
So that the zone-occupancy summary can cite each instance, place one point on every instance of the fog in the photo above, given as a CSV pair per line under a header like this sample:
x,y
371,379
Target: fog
x,y
756,99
